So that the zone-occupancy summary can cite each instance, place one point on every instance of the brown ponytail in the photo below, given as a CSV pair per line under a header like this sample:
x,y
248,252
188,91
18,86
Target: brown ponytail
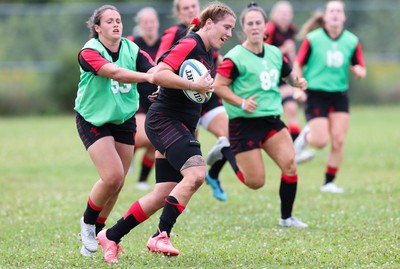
x,y
314,22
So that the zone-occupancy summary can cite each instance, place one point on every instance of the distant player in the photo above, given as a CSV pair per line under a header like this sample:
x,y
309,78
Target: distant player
x,y
280,31
327,54
147,38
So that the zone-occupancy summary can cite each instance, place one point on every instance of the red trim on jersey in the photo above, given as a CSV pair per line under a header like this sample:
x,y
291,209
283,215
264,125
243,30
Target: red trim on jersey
x,y
179,53
145,54
304,52
225,68
269,32
285,59
167,40
359,55
93,58
289,179
137,212
93,206
131,38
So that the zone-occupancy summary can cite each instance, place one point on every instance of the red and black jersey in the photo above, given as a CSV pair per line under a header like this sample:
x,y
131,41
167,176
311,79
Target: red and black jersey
x,y
145,89
274,36
151,50
173,102
170,37
173,35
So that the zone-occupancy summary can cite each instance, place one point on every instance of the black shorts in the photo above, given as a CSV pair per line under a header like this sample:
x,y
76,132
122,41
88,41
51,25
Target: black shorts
x,y
250,133
214,102
171,137
321,103
123,133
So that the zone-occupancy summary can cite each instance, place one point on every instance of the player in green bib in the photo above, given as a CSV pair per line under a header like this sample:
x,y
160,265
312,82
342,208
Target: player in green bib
x,y
326,56
248,82
106,103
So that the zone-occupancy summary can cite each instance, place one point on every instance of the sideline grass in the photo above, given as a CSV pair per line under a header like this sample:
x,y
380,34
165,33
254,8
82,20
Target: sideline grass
x,y
46,175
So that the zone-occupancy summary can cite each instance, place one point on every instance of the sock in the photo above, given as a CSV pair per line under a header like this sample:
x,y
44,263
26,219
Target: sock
x,y
147,164
132,218
216,168
287,193
92,212
330,174
172,210
294,130
230,157
100,224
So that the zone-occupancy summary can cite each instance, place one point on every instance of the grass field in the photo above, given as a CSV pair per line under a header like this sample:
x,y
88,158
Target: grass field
x,y
46,175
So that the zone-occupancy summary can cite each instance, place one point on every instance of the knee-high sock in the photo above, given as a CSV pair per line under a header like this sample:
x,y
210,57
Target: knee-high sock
x,y
172,210
132,218
92,212
330,174
147,164
287,193
294,130
100,224
230,157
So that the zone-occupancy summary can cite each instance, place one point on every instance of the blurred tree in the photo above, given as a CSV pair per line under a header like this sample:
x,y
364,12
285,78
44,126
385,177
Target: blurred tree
x,y
38,38
64,82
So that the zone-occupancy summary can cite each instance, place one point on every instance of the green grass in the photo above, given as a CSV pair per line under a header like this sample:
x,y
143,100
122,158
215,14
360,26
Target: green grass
x,y
46,175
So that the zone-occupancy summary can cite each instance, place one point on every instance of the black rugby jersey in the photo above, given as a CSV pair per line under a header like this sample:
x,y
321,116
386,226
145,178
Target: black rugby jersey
x,y
151,50
173,102
145,89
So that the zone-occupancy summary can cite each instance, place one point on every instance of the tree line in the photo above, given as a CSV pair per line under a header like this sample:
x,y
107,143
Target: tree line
x,y
40,41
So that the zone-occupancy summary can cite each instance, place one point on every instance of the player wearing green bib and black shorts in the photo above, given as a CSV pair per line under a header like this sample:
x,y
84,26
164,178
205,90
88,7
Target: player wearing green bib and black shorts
x,y
247,81
326,56
106,103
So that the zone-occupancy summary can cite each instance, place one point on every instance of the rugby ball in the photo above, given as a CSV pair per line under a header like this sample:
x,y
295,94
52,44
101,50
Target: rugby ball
x,y
192,69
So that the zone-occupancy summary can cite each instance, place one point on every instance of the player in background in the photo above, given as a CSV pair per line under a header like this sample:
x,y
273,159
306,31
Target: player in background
x,y
326,56
280,31
146,36
105,106
213,115
247,80
170,125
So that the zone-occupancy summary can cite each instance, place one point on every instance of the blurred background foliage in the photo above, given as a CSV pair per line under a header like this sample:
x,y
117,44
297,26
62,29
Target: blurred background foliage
x,y
40,40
